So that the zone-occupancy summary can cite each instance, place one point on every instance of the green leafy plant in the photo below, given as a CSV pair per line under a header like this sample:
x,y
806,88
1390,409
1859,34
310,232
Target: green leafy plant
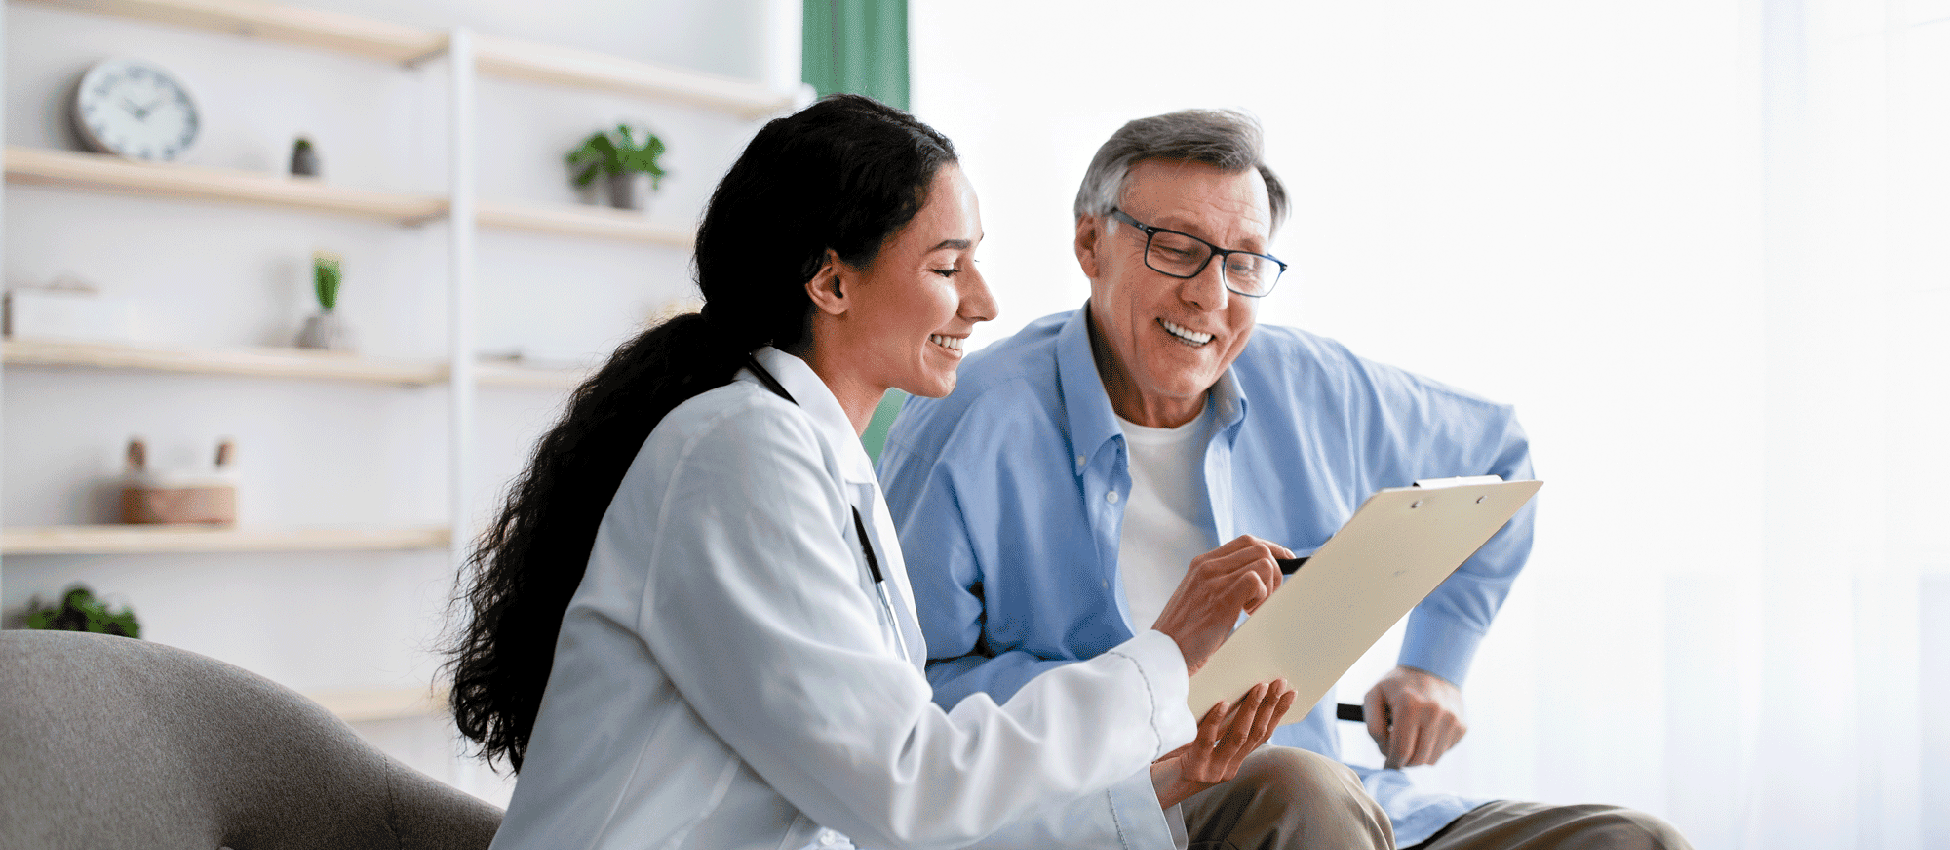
x,y
80,611
624,150
325,279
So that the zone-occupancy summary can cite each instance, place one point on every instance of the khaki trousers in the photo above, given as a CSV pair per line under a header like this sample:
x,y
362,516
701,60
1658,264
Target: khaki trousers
x,y
1514,825
1291,798
1284,797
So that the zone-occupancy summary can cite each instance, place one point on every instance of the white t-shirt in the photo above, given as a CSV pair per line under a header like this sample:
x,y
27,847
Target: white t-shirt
x,y
1167,519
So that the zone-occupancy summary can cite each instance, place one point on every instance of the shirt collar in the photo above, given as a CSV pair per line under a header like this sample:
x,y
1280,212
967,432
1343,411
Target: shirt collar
x,y
821,406
1087,404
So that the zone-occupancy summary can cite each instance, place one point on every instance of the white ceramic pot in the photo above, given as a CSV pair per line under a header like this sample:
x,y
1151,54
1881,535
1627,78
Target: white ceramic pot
x,y
629,191
325,332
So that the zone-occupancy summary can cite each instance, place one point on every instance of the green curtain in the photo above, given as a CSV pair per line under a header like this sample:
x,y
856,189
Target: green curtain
x,y
856,46
859,47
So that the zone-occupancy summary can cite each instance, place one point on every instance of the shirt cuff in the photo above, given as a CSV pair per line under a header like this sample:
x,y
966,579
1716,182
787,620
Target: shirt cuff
x,y
1141,825
1124,816
1181,837
1440,644
1158,658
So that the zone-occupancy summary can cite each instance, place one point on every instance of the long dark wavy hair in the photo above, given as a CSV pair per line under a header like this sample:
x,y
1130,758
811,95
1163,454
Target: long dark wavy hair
x,y
843,175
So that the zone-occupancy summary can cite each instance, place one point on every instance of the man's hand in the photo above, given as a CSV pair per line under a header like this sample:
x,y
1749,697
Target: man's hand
x,y
1221,583
1225,737
1415,716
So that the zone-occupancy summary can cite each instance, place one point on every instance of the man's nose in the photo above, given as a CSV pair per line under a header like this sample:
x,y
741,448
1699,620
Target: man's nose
x,y
1207,289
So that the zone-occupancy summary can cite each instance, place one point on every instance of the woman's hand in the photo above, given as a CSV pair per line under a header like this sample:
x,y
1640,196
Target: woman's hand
x,y
1221,583
1225,738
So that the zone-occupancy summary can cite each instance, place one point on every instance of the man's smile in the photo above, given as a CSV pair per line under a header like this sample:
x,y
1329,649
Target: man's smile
x,y
1185,335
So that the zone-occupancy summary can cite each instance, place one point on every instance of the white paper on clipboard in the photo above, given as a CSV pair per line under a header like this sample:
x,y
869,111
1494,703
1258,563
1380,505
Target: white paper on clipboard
x,y
1396,548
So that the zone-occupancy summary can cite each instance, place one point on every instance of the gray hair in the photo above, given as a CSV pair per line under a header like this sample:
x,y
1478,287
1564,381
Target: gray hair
x,y
1223,138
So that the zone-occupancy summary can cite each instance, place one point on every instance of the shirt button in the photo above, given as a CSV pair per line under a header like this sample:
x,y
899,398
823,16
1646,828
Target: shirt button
x,y
827,837
1079,460
1111,497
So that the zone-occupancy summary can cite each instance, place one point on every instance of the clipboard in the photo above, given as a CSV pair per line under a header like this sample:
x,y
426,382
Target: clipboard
x,y
1398,546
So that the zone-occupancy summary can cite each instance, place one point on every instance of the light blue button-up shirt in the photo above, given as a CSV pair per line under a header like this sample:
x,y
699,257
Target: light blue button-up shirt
x,y
1008,495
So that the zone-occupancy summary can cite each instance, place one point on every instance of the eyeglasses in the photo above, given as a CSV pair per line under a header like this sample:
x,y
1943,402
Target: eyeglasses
x,y
1184,255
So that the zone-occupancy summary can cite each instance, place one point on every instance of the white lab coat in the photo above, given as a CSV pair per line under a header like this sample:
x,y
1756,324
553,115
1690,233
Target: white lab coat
x,y
727,678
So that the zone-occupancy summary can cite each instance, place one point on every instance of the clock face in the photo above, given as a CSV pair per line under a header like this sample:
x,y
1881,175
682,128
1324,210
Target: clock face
x,y
129,108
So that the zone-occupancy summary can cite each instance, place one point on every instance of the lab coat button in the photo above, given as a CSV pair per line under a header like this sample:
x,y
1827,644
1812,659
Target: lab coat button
x,y
1111,497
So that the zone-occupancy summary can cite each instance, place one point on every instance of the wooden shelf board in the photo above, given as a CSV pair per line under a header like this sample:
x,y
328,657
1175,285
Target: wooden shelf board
x,y
528,377
504,57
365,704
280,363
248,362
567,66
135,539
102,172
592,221
269,22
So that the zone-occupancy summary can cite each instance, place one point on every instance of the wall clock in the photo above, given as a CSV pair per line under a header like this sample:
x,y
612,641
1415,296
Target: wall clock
x,y
133,109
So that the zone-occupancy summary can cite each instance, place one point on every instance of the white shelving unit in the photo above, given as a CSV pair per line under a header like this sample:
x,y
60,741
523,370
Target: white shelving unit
x,y
466,55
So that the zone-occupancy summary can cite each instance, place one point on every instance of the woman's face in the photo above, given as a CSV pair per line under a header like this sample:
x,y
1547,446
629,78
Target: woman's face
x,y
910,310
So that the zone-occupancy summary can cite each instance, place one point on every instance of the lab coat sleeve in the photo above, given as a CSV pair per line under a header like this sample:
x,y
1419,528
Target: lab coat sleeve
x,y
754,604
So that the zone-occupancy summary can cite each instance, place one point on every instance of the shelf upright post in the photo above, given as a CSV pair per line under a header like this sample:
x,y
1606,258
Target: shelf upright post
x,y
461,220
3,255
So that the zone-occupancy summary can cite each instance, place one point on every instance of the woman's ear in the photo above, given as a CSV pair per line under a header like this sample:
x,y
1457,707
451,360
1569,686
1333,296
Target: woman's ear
x,y
827,288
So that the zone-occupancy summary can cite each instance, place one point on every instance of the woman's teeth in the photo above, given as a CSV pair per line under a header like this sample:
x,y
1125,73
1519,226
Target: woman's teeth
x,y
1185,333
948,342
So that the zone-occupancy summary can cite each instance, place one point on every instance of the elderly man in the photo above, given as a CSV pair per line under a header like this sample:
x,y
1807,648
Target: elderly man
x,y
1054,503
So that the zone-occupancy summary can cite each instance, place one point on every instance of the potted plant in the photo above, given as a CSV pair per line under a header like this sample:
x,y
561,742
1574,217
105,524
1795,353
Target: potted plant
x,y
304,158
324,330
80,611
626,158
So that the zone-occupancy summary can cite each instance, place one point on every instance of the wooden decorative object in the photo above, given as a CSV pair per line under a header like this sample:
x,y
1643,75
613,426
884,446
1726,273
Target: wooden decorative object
x,y
149,498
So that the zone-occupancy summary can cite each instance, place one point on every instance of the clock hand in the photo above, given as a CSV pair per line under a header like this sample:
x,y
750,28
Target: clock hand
x,y
140,113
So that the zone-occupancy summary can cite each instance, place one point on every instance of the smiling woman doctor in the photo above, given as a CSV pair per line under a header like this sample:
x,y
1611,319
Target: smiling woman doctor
x,y
691,623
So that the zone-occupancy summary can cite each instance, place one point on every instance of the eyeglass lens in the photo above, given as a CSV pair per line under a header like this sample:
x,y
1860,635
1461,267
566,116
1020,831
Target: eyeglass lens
x,y
1182,256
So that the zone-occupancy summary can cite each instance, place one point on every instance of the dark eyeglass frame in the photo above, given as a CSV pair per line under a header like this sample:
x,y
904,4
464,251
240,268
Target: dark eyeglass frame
x,y
1150,232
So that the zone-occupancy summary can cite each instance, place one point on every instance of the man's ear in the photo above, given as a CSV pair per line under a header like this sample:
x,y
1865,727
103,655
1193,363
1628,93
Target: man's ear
x,y
827,288
1089,239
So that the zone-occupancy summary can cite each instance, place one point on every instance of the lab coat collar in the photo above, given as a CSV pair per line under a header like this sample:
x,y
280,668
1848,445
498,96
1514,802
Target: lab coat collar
x,y
856,470
819,403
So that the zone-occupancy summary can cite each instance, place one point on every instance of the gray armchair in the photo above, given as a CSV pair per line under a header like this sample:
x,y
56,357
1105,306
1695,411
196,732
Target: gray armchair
x,y
108,742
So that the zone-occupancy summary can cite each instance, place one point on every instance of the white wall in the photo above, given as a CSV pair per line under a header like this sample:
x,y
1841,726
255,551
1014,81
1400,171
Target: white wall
x,y
205,275
1563,206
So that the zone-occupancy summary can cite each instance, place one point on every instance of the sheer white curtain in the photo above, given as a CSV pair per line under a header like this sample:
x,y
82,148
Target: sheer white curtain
x,y
1701,245
1858,399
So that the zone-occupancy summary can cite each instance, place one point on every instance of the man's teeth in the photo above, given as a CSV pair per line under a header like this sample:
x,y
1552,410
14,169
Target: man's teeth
x,y
947,342
1185,333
